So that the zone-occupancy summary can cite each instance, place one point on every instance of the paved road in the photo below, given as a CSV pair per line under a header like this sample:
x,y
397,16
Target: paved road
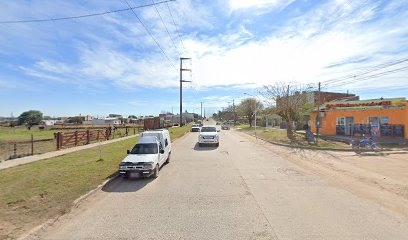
x,y
240,190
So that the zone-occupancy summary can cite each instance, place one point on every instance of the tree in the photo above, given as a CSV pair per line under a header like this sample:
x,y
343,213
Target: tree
x,y
30,117
247,108
290,101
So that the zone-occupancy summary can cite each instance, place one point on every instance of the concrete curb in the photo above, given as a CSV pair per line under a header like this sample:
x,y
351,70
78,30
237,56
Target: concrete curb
x,y
320,149
76,203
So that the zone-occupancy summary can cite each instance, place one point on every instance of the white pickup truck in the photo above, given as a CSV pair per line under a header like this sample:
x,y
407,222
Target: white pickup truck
x,y
147,157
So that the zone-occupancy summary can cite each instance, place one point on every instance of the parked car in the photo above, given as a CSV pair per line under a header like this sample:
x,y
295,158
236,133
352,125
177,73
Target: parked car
x,y
208,135
145,159
225,126
195,128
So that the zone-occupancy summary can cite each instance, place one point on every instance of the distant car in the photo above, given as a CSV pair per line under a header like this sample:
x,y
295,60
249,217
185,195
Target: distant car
x,y
208,135
225,126
195,128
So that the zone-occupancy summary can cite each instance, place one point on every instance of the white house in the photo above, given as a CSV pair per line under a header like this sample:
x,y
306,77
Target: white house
x,y
106,121
48,122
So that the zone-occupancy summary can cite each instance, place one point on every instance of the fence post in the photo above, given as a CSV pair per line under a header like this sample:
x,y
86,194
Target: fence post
x,y
60,139
32,144
107,133
134,131
88,136
98,135
76,138
127,131
15,150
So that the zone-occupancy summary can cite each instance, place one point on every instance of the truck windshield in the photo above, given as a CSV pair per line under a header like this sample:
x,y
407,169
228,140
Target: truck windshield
x,y
208,129
146,148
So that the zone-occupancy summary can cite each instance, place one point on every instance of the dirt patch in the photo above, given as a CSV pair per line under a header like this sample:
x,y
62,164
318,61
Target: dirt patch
x,y
378,177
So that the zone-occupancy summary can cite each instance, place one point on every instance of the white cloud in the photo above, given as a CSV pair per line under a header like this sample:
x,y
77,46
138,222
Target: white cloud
x,y
243,4
302,50
299,51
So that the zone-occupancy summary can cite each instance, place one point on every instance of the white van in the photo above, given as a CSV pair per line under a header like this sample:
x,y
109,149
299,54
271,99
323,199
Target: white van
x,y
148,155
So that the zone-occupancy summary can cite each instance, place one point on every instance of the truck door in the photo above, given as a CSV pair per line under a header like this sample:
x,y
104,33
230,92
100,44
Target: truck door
x,y
162,157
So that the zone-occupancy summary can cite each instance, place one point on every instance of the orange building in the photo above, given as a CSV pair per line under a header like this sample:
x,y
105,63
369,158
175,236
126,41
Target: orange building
x,y
386,117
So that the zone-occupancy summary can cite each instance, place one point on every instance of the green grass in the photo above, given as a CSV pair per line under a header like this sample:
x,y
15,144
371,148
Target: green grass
x,y
21,133
280,136
8,134
21,136
32,193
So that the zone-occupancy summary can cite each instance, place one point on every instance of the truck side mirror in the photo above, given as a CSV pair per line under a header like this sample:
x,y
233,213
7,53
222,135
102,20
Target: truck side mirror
x,y
128,151
161,151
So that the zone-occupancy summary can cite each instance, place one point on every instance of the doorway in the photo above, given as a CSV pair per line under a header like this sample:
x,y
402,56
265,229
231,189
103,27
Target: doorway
x,y
349,126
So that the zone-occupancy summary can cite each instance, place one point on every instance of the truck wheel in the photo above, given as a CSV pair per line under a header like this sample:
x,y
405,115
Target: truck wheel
x,y
156,171
168,158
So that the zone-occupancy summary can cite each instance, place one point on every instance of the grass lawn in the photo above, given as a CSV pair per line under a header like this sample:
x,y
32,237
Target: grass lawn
x,y
18,134
279,135
21,133
19,137
33,193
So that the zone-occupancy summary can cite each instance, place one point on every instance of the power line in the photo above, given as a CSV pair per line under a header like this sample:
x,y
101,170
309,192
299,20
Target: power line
x,y
84,16
360,73
177,30
364,78
151,35
174,44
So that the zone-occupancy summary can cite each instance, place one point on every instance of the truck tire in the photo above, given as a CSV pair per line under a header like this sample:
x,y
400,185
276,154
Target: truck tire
x,y
156,171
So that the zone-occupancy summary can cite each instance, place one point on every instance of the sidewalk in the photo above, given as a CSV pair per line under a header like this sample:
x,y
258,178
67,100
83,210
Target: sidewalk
x,y
29,159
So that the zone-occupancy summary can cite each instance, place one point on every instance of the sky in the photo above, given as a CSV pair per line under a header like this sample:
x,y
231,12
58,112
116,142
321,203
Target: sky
x,y
128,62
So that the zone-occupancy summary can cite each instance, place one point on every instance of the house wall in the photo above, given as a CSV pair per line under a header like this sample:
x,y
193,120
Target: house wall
x,y
328,122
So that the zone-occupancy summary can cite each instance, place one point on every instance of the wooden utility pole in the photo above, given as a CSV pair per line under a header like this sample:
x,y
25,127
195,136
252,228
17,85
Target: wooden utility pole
x,y
235,114
201,112
181,87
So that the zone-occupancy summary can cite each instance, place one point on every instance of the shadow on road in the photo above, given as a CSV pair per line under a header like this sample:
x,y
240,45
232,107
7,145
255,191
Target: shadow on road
x,y
368,154
205,148
121,184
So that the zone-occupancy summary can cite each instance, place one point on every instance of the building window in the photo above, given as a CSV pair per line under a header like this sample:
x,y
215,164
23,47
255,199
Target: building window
x,y
372,120
384,120
341,121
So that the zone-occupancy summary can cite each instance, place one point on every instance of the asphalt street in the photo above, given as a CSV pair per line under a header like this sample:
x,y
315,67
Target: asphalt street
x,y
240,190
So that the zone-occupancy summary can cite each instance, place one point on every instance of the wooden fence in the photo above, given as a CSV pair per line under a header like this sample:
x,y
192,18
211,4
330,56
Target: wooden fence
x,y
17,149
78,138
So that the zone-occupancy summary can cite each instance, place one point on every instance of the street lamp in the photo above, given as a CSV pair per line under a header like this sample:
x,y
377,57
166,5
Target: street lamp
x,y
254,111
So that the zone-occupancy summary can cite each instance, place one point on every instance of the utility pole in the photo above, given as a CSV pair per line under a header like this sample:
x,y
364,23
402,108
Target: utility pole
x,y
318,116
201,112
235,114
181,87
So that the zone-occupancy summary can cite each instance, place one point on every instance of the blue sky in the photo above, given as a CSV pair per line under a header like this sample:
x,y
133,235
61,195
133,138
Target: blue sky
x,y
110,64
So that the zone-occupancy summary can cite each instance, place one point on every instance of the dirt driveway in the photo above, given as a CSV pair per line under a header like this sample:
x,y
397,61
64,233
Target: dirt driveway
x,y
378,177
